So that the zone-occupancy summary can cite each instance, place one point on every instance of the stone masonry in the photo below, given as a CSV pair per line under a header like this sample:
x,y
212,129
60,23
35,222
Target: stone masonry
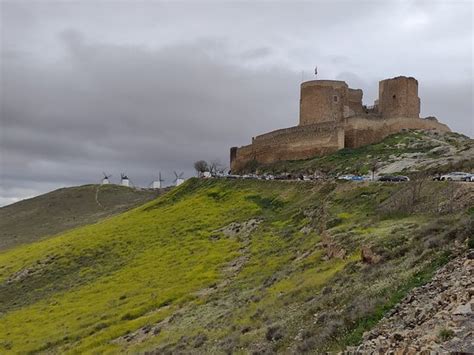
x,y
332,117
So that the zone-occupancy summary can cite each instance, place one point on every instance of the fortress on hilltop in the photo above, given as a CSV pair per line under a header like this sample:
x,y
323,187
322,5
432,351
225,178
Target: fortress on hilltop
x,y
333,117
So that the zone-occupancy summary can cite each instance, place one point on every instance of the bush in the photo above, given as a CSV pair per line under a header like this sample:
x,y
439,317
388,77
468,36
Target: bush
x,y
470,242
274,333
128,316
100,326
445,334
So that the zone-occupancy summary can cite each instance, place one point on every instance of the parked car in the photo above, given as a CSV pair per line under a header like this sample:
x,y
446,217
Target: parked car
x,y
250,176
394,178
456,176
282,177
345,177
351,177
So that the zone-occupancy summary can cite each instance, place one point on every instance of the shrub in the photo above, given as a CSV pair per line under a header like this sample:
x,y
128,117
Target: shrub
x,y
128,316
100,326
445,334
274,333
470,242
199,340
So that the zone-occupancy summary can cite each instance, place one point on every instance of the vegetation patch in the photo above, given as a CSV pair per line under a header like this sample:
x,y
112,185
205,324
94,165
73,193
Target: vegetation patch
x,y
162,277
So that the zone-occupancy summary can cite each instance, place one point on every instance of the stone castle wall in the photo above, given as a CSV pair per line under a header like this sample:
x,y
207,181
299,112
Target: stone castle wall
x,y
290,144
355,102
360,131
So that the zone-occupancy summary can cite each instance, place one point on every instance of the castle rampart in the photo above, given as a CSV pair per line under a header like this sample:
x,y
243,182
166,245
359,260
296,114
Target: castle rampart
x,y
290,144
362,130
332,117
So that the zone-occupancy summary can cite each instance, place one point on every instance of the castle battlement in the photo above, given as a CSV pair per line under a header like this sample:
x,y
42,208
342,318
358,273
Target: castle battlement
x,y
332,117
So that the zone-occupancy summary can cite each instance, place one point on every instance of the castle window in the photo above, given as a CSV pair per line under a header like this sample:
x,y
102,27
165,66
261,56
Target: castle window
x,y
394,96
335,98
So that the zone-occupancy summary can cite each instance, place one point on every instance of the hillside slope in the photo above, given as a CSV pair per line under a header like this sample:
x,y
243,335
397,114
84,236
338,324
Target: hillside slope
x,y
404,152
437,317
57,211
218,266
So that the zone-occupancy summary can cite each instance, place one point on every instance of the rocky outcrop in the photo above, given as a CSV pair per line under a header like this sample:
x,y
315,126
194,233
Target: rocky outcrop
x,y
368,256
436,317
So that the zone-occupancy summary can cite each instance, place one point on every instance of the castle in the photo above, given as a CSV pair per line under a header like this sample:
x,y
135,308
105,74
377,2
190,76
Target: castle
x,y
333,117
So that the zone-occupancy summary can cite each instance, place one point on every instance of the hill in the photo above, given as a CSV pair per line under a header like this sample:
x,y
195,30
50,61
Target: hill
x,y
436,317
405,152
233,265
57,211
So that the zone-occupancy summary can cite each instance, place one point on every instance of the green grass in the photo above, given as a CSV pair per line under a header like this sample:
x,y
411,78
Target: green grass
x,y
135,254
166,263
63,209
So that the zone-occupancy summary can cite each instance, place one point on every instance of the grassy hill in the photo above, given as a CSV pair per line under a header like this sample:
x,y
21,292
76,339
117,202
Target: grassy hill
x,y
218,266
55,212
404,152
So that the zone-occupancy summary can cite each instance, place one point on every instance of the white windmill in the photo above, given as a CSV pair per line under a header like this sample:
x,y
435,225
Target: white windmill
x,y
124,180
157,184
178,178
105,180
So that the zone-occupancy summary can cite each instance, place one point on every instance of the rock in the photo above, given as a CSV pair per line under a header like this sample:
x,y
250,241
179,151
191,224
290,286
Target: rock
x,y
368,256
463,309
306,230
335,251
397,337
420,323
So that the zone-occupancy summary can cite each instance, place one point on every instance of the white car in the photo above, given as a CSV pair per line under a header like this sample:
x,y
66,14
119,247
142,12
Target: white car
x,y
345,177
457,176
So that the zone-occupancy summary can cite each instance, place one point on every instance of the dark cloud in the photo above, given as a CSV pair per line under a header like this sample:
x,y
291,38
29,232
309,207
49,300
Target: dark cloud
x,y
139,88
120,108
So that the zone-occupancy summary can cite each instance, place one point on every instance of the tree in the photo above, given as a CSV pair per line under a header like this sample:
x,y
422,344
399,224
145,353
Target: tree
x,y
416,188
200,166
374,165
215,166
358,165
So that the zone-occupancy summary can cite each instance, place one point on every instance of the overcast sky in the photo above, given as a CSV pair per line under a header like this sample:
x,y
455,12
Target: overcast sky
x,y
147,86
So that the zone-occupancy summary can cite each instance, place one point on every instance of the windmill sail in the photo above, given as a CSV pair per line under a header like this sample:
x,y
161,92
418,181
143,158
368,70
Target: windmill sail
x,y
178,178
157,183
125,180
105,179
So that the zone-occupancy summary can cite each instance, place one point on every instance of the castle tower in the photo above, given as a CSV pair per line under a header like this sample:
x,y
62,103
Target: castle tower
x,y
322,101
328,101
398,97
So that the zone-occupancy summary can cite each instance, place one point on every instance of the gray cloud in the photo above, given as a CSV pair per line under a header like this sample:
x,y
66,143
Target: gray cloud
x,y
155,86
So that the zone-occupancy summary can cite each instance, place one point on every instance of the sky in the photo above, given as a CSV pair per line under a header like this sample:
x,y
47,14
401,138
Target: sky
x,y
140,87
